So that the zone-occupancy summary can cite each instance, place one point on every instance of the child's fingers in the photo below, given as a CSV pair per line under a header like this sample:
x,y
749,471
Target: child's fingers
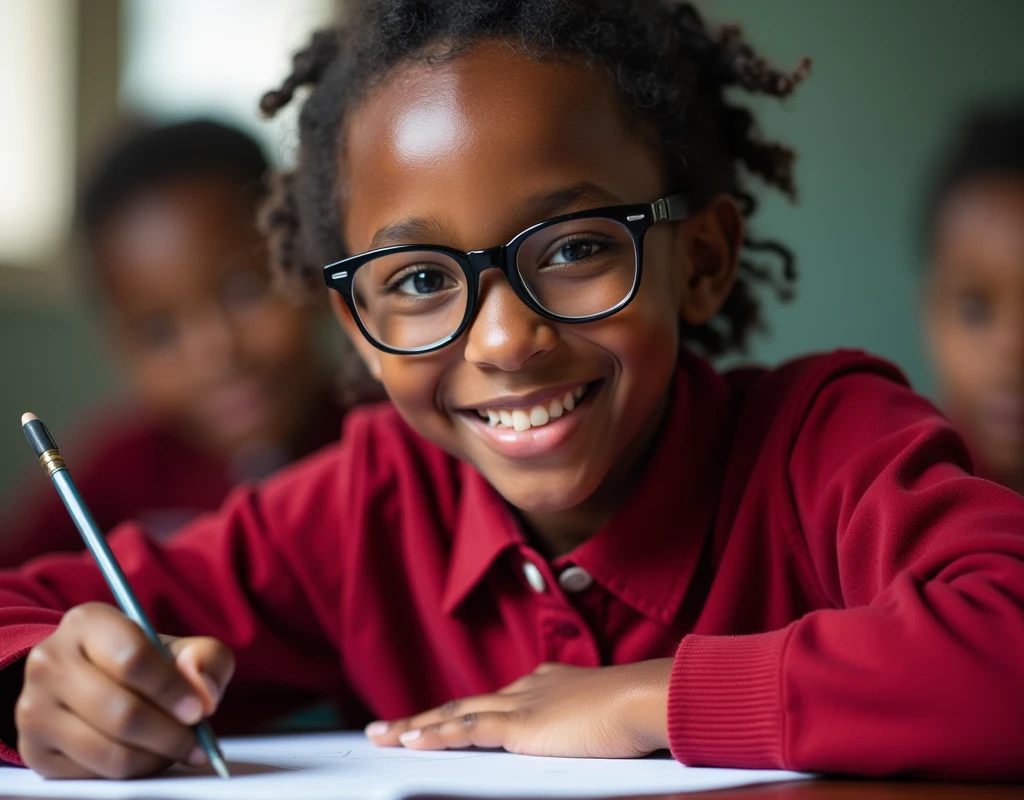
x,y
387,734
98,754
121,715
34,714
118,647
207,664
57,744
51,764
484,729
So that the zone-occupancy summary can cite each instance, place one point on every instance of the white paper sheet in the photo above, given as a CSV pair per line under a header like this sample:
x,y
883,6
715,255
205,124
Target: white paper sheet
x,y
339,766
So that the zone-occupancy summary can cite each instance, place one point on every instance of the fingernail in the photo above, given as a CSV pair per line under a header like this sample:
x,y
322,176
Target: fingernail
x,y
377,728
197,756
410,736
188,710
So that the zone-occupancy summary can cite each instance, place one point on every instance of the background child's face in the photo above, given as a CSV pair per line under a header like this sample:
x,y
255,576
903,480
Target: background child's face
x,y
203,340
468,154
975,318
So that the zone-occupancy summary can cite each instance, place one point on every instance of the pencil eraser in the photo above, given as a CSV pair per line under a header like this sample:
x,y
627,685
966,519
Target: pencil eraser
x,y
38,436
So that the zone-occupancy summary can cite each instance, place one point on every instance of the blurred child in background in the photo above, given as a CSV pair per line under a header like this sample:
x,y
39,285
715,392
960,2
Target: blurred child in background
x,y
225,378
974,308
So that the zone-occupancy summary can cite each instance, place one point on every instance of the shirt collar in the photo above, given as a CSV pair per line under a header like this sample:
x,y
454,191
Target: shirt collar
x,y
484,528
647,553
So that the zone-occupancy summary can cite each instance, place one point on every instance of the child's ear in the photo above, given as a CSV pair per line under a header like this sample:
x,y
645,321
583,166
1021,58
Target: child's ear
x,y
367,352
713,238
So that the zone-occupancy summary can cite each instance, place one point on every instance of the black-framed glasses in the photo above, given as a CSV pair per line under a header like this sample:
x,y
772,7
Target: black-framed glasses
x,y
579,267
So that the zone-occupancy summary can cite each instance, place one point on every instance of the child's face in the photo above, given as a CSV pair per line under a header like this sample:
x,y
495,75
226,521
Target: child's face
x,y
975,317
468,154
203,341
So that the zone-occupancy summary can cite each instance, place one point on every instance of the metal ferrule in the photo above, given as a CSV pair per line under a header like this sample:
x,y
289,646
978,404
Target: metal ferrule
x,y
52,461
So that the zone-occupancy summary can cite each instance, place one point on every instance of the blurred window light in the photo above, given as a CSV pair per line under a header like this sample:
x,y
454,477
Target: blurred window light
x,y
37,53
190,58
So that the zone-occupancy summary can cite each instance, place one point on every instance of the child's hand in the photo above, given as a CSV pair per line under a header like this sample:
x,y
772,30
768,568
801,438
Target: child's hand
x,y
606,712
99,700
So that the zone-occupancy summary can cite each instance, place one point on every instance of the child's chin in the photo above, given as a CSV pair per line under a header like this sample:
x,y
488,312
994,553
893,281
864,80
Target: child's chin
x,y
543,493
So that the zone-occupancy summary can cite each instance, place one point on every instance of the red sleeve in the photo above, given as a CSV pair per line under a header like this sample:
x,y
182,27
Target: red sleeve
x,y
261,575
919,668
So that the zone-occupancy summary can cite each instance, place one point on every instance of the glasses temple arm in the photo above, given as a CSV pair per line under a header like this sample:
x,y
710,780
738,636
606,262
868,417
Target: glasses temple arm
x,y
672,208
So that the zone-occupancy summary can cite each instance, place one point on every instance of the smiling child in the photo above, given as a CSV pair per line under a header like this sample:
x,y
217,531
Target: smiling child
x,y
223,379
566,534
974,296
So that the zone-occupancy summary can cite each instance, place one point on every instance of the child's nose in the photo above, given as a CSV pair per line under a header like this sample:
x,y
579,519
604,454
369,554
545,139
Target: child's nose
x,y
210,341
506,333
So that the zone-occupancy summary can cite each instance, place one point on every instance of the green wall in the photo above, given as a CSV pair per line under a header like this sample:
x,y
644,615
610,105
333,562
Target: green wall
x,y
50,363
890,77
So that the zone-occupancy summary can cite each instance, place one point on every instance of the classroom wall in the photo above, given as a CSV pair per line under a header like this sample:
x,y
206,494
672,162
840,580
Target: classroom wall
x,y
889,78
51,363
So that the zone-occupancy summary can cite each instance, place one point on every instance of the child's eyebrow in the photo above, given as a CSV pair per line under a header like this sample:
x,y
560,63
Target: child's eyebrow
x,y
422,230
417,230
552,203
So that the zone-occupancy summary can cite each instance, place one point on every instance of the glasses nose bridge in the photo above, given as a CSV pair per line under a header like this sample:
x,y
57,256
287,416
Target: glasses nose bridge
x,y
492,257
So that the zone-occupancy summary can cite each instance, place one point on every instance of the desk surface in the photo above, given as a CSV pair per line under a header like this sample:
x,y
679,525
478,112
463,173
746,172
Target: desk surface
x,y
827,790
861,790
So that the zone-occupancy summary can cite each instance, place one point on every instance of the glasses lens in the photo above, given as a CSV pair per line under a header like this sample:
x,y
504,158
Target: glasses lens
x,y
410,300
579,268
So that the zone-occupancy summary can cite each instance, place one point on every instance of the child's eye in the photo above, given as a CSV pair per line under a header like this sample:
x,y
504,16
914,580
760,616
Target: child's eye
x,y
418,282
974,309
573,249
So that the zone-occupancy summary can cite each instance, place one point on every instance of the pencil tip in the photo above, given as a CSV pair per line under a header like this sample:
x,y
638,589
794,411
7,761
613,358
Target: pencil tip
x,y
27,417
220,767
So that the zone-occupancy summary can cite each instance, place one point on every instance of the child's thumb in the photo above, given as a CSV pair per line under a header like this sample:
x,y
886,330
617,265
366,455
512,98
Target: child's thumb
x,y
207,664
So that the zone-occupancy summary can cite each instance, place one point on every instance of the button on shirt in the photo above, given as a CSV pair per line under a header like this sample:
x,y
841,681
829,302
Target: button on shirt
x,y
805,543
534,577
574,579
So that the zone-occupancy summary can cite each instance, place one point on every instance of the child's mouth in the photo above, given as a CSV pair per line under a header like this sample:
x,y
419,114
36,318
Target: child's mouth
x,y
523,419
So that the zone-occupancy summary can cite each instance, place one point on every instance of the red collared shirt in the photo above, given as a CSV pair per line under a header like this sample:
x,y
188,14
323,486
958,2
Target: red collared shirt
x,y
838,593
130,466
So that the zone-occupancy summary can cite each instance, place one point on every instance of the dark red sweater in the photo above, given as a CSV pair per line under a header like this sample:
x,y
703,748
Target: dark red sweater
x,y
839,594
129,466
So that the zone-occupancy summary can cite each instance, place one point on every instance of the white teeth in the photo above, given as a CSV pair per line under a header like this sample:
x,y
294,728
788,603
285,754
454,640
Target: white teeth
x,y
524,419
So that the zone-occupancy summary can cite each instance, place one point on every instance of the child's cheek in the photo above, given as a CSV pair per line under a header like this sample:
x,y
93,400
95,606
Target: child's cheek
x,y
414,384
644,339
645,332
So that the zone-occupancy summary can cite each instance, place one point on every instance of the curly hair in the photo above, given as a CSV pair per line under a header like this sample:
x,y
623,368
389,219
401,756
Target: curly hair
x,y
669,69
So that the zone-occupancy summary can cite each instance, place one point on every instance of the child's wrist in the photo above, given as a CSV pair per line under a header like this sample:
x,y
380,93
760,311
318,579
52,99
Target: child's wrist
x,y
647,702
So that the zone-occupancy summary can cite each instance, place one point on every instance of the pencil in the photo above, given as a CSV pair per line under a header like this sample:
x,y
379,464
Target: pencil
x,y
53,464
